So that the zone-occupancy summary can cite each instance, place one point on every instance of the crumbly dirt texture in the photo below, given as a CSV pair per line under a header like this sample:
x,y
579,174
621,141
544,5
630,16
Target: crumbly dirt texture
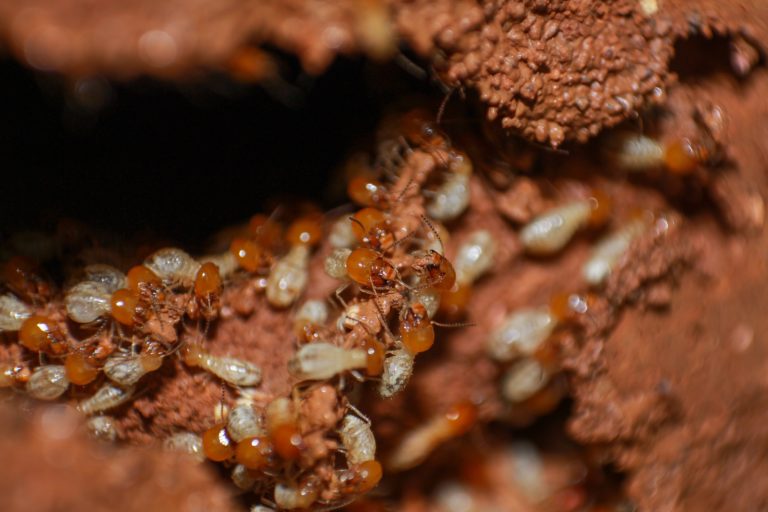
x,y
676,388
550,71
63,469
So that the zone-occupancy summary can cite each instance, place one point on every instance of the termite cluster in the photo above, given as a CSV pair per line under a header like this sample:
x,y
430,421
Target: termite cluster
x,y
96,339
110,328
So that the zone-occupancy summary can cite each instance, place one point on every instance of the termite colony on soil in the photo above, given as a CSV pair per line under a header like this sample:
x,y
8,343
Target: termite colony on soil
x,y
96,341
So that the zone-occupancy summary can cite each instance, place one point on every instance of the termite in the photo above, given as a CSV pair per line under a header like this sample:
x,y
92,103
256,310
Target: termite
x,y
523,379
173,266
309,317
681,156
229,369
357,439
13,312
106,397
243,478
473,258
521,333
551,231
451,198
341,235
102,428
291,496
335,264
41,333
207,289
398,368
282,428
435,270
607,252
225,262
80,371
368,268
217,445
244,422
127,370
185,442
24,278
88,301
419,443
321,361
416,330
107,276
48,382
288,278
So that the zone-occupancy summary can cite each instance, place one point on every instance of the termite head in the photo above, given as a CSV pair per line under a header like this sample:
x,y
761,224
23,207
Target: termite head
x,y
25,279
683,156
366,267
419,129
372,227
436,270
416,329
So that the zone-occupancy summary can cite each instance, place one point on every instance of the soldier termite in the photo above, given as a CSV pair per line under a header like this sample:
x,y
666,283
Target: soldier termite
x,y
473,258
41,333
282,428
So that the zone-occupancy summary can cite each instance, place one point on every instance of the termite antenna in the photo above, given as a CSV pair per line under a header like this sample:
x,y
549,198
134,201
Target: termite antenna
x,y
405,189
380,314
431,227
221,401
398,242
410,67
550,149
359,413
455,325
444,104
338,293
358,223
